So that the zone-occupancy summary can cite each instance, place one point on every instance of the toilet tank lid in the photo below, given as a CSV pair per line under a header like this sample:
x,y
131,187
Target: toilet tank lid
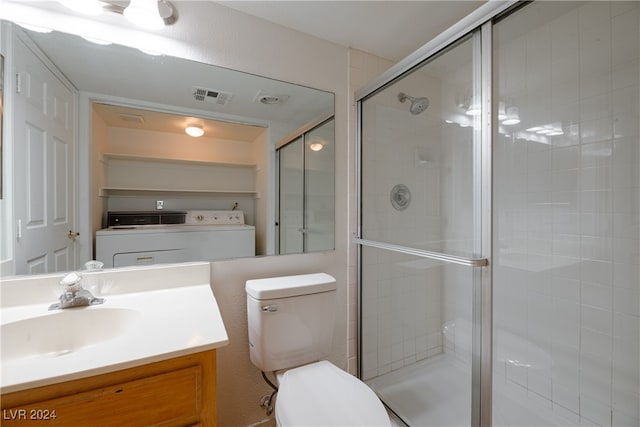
x,y
288,286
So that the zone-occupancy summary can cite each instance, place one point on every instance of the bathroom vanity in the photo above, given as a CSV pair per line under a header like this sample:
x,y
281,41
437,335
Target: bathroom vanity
x,y
146,356
175,392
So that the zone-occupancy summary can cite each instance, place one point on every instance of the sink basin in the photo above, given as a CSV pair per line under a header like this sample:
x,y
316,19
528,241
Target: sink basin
x,y
63,332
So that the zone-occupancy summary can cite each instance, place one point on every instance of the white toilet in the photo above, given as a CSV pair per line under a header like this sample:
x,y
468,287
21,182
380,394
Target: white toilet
x,y
291,321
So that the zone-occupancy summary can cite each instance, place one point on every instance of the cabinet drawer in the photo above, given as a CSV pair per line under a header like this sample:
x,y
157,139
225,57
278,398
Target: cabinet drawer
x,y
169,399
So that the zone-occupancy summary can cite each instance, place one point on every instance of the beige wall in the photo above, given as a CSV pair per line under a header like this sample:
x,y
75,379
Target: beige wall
x,y
99,137
160,144
363,67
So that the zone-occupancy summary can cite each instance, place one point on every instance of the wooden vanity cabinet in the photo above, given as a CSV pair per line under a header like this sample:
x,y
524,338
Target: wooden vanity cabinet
x,y
174,392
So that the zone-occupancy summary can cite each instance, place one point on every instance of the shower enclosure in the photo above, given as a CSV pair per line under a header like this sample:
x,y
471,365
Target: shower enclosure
x,y
305,190
499,221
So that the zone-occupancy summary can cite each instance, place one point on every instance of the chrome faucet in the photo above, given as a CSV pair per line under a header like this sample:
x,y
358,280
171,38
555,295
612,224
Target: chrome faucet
x,y
73,294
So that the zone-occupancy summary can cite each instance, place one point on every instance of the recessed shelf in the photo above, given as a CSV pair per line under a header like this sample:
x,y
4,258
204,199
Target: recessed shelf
x,y
125,191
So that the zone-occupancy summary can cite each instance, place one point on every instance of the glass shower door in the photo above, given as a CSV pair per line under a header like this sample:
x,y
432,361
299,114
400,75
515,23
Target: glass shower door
x,y
306,189
420,239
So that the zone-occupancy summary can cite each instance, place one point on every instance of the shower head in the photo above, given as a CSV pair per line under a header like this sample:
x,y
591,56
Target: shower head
x,y
418,105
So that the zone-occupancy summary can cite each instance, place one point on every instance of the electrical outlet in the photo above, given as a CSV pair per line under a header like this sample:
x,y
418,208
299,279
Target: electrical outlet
x,y
159,204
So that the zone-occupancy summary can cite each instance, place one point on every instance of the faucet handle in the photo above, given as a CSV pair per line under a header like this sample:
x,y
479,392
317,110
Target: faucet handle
x,y
71,282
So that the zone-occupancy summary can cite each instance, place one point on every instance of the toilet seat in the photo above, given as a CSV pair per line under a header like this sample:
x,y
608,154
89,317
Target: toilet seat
x,y
321,394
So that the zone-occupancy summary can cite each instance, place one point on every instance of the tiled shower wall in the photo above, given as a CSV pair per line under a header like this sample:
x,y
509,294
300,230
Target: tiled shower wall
x,y
567,237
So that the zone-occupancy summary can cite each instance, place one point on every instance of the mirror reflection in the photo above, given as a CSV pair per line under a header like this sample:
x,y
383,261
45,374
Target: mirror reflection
x,y
123,114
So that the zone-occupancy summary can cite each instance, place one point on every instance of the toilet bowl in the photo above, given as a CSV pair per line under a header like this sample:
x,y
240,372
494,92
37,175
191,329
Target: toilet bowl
x,y
291,322
321,394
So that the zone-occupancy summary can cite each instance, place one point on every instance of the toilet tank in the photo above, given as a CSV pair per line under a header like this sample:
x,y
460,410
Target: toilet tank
x,y
290,320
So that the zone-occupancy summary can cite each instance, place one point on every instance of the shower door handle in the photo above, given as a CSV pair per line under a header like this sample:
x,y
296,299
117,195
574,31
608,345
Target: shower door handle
x,y
471,262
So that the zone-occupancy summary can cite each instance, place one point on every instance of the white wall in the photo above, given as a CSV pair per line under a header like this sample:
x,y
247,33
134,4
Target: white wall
x,y
263,156
178,146
99,144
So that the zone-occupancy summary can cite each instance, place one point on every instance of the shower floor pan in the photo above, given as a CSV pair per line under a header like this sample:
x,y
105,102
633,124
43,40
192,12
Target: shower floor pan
x,y
432,392
437,392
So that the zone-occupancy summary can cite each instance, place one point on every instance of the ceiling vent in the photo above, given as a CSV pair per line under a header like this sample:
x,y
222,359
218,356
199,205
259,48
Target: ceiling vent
x,y
266,98
133,118
211,96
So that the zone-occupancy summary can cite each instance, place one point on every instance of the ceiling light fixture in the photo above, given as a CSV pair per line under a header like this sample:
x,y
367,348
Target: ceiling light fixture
x,y
316,143
502,115
513,117
85,7
194,130
145,14
474,109
150,52
97,41
36,28
316,146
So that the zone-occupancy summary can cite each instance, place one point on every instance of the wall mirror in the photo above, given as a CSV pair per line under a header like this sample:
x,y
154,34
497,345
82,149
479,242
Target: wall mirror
x,y
1,120
131,111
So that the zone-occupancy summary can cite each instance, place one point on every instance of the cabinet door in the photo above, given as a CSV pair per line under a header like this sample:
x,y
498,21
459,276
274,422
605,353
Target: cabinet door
x,y
169,399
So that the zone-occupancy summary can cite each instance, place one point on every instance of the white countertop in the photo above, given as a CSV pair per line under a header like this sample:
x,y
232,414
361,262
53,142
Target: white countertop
x,y
164,312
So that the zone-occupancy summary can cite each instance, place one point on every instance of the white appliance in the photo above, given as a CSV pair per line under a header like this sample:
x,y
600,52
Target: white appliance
x,y
157,237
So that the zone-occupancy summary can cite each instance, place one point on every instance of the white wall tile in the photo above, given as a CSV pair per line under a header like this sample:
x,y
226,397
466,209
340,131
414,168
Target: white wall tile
x,y
592,196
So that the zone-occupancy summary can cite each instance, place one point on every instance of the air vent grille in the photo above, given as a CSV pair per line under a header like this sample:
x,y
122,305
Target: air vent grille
x,y
211,96
134,118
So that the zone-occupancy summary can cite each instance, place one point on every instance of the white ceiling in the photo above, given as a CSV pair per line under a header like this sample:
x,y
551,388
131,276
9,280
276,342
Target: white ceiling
x,y
122,117
128,74
389,29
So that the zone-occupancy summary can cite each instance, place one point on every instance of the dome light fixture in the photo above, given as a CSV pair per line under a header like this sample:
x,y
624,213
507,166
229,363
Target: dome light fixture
x,y
85,7
502,111
513,117
97,41
195,131
473,110
145,14
316,143
36,28
316,146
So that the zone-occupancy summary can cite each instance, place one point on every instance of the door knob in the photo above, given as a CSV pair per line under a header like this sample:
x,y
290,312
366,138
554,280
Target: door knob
x,y
73,234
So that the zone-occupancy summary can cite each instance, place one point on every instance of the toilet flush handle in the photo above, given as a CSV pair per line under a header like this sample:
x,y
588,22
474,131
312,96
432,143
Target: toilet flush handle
x,y
270,308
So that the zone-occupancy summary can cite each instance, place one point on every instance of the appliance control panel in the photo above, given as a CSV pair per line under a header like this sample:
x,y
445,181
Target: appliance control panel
x,y
209,217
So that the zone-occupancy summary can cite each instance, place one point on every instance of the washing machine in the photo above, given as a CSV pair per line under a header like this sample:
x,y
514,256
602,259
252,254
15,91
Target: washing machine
x,y
158,237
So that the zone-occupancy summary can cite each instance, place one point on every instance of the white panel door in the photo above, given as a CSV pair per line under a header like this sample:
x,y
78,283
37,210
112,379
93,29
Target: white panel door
x,y
44,176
